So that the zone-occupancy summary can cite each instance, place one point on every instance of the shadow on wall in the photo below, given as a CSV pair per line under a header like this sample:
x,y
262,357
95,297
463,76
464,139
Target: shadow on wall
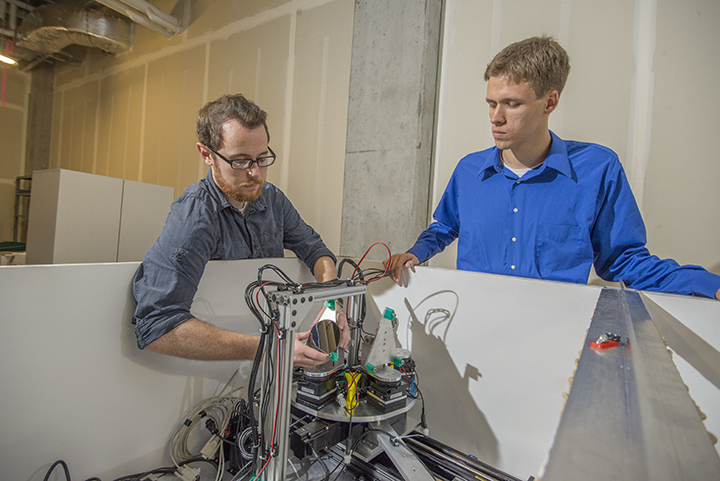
x,y
446,392
197,372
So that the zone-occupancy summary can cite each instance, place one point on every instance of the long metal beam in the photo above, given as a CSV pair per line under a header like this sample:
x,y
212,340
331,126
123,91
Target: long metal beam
x,y
628,415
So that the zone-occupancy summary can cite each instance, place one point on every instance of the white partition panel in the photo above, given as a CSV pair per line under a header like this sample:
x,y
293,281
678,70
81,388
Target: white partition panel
x,y
144,210
74,385
494,356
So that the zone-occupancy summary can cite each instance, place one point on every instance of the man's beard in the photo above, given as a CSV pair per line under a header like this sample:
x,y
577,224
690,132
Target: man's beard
x,y
236,192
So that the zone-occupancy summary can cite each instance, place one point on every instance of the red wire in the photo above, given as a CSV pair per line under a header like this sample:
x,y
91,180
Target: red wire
x,y
406,375
277,408
365,255
257,294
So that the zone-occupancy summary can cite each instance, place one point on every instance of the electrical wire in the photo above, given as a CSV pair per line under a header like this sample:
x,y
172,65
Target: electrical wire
x,y
322,463
218,410
164,470
59,462
355,445
260,304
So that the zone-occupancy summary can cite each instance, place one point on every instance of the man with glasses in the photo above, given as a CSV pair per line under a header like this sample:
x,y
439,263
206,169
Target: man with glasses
x,y
233,213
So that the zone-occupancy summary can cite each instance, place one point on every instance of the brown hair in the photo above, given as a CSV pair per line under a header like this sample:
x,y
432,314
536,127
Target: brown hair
x,y
539,61
213,115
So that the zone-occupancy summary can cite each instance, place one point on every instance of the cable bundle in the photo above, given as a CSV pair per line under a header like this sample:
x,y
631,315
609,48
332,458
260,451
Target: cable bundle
x,y
216,411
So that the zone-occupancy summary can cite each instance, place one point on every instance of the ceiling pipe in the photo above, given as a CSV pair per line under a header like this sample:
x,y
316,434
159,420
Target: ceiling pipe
x,y
12,19
23,5
50,28
146,15
155,14
12,13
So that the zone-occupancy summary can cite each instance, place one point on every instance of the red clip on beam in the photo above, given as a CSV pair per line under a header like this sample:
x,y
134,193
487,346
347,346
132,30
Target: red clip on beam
x,y
604,345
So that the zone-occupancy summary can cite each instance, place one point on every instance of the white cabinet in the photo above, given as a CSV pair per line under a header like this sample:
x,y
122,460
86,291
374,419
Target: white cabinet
x,y
76,217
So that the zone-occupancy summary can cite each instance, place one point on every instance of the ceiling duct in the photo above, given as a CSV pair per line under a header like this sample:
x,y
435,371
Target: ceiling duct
x,y
50,28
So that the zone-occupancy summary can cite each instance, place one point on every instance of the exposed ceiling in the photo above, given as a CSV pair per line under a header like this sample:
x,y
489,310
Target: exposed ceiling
x,y
36,31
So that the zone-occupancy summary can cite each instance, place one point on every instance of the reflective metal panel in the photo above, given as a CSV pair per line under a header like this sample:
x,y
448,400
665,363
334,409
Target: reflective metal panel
x,y
628,415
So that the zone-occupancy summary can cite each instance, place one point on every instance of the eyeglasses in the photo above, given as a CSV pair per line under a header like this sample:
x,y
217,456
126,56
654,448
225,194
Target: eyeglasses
x,y
244,164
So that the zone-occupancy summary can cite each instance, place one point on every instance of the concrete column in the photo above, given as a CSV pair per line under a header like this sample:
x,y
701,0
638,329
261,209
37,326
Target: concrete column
x,y
391,113
39,126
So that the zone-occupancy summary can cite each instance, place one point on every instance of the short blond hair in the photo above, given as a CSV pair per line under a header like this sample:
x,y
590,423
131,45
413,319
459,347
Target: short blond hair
x,y
539,61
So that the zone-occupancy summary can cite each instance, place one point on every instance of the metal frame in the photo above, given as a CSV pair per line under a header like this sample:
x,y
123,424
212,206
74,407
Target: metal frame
x,y
293,308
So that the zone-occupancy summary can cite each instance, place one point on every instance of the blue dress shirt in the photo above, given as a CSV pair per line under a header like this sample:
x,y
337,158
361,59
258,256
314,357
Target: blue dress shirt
x,y
203,226
573,211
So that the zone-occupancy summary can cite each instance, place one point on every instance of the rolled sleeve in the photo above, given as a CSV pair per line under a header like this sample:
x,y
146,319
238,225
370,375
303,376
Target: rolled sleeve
x,y
166,281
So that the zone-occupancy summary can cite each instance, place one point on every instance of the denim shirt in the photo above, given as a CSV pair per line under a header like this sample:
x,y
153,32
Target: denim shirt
x,y
203,226
573,211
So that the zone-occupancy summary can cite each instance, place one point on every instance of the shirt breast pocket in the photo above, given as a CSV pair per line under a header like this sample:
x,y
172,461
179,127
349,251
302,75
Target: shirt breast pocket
x,y
272,242
564,252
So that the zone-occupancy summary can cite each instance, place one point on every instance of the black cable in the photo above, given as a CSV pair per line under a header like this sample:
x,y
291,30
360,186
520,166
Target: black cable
x,y
355,445
267,343
423,421
166,470
322,463
139,476
343,262
52,468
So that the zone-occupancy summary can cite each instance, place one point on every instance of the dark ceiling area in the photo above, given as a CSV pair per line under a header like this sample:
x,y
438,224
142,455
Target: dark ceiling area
x,y
37,31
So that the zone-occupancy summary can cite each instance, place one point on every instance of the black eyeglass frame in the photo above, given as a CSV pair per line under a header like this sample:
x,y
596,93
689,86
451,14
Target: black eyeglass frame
x,y
251,161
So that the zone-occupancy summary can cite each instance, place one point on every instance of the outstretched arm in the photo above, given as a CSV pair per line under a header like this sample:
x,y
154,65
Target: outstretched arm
x,y
196,339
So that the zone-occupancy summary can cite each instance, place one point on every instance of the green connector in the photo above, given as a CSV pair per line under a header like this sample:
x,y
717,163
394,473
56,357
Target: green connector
x,y
330,304
370,368
333,356
389,314
398,362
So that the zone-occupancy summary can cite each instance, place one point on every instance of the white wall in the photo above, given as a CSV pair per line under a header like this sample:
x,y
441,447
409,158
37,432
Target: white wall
x,y
13,130
74,385
132,116
642,82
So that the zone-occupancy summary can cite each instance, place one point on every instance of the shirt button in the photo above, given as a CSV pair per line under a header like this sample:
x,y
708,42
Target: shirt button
x,y
514,239
517,182
512,267
515,209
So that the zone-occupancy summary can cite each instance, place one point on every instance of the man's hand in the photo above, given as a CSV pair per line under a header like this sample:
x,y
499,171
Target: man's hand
x,y
342,323
398,261
717,295
306,356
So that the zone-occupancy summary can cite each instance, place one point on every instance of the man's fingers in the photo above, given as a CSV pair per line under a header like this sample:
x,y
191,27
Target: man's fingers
x,y
344,329
307,356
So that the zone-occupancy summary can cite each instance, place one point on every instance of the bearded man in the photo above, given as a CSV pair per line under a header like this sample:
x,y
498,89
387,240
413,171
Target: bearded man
x,y
233,213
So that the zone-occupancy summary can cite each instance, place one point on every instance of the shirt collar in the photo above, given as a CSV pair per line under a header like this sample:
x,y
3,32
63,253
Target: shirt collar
x,y
557,158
